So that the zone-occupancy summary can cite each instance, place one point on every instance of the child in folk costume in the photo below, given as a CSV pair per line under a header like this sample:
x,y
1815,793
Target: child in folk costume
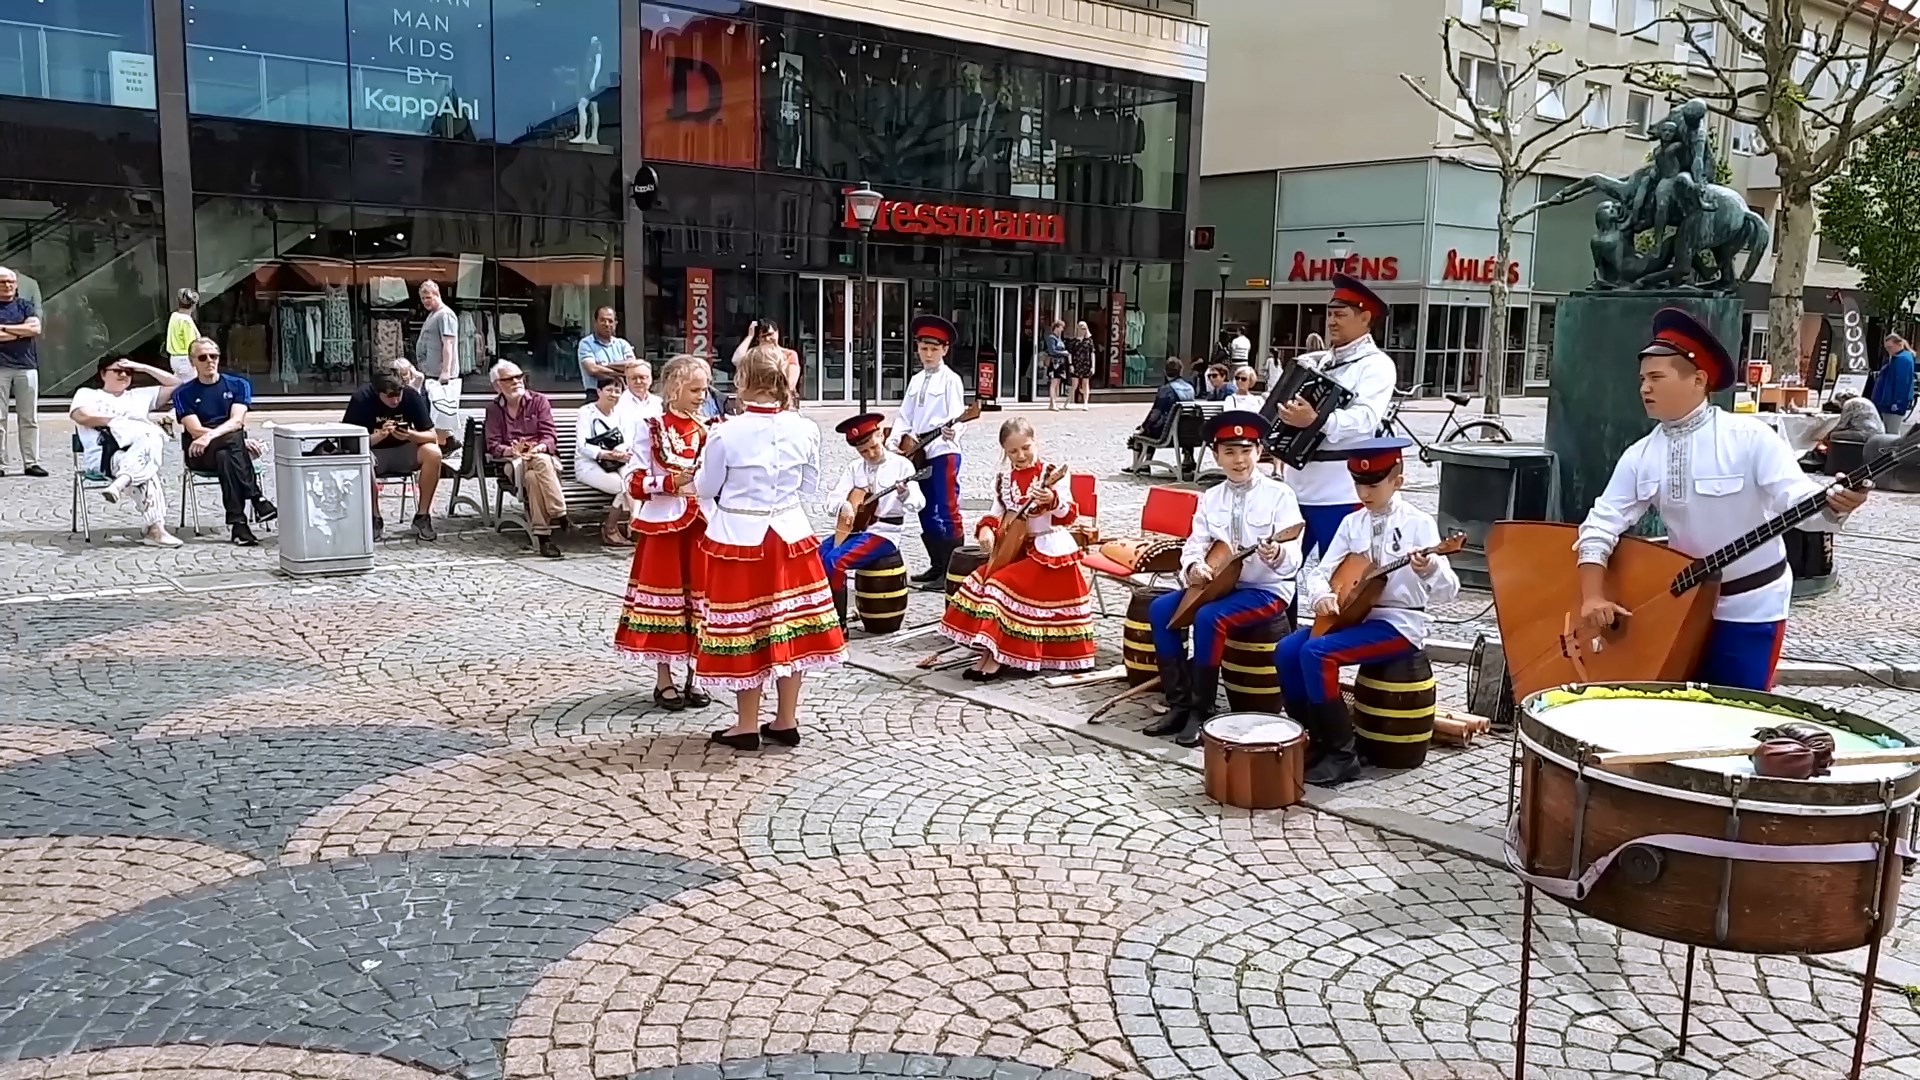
x,y
660,619
1033,613
1713,476
1385,529
1249,510
881,474
935,400
769,612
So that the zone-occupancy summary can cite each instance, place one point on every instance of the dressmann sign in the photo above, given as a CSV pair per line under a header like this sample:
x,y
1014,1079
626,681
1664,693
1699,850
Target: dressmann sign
x,y
410,61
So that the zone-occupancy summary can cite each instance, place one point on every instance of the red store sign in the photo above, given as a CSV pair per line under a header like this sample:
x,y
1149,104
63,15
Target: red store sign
x,y
973,222
1479,271
700,311
1366,269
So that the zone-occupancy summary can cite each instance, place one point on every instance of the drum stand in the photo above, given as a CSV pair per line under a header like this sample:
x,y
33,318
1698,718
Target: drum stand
x,y
1686,994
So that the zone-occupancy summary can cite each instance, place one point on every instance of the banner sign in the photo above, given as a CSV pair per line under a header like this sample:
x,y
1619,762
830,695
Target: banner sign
x,y
1116,337
700,311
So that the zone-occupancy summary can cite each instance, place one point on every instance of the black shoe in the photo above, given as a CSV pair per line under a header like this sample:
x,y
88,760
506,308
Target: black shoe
x,y
379,528
1190,731
35,470
1173,684
1203,686
549,549
1336,768
423,527
747,741
669,698
783,736
696,697
243,536
264,511
1332,731
976,675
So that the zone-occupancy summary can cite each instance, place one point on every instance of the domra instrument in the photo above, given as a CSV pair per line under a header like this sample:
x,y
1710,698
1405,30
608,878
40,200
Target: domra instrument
x,y
913,446
1357,583
1225,563
866,506
1014,529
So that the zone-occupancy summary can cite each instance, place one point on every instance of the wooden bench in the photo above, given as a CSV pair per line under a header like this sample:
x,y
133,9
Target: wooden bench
x,y
584,504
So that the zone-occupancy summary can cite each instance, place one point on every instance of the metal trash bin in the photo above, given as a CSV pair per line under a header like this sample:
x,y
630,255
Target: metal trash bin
x,y
324,474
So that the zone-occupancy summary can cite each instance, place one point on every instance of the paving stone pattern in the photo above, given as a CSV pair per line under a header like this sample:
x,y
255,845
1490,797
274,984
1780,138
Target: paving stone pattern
x,y
422,823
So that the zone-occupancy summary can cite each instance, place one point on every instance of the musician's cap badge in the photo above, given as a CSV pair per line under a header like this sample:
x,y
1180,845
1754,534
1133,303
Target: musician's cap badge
x,y
1240,426
933,328
1353,292
1370,461
1676,333
858,429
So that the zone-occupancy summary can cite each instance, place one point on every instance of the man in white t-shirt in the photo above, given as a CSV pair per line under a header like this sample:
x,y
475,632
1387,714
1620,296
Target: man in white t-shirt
x,y
119,438
1240,348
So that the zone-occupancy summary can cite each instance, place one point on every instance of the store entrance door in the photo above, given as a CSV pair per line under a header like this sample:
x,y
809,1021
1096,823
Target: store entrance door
x,y
1015,374
835,353
1052,303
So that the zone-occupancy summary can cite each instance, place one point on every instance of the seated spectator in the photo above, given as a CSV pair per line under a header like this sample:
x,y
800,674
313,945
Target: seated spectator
x,y
1859,417
639,399
520,436
403,442
1243,396
1218,387
213,406
603,440
120,439
1166,404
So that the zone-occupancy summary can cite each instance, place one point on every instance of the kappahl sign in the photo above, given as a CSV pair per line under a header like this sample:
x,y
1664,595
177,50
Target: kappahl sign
x,y
409,59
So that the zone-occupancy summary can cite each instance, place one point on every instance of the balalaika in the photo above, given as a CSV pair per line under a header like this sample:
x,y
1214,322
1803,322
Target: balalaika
x,y
1296,445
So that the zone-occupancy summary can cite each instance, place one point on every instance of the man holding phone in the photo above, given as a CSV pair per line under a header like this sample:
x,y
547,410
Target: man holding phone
x,y
400,421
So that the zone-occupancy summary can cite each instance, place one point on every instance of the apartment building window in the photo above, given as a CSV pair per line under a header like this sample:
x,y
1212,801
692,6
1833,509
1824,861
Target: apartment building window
x,y
1562,8
1751,28
1639,113
1645,12
1700,44
1602,13
1485,81
1550,102
1599,110
1742,138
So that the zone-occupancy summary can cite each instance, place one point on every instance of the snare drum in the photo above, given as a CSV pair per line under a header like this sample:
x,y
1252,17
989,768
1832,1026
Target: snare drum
x,y
1255,761
1700,851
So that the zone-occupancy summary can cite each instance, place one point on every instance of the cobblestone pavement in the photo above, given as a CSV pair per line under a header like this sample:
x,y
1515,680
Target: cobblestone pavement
x,y
420,823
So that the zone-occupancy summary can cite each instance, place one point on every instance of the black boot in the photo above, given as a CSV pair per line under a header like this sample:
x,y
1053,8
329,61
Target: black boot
x,y
1173,683
939,552
1332,733
840,607
937,567
1204,687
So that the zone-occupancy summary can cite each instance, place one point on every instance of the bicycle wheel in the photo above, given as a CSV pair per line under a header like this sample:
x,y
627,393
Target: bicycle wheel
x,y
1485,431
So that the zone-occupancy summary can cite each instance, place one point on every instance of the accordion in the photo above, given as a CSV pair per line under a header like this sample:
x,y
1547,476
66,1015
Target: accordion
x,y
1295,446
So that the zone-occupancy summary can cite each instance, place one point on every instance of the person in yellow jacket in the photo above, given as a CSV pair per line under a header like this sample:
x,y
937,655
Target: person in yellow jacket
x,y
182,332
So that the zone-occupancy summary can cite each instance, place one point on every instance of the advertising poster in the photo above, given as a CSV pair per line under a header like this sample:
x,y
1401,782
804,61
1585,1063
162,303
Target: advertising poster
x,y
700,311
1116,337
699,89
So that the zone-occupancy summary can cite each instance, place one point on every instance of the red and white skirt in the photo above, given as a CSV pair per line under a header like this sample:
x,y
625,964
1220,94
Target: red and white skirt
x,y
660,619
768,614
1035,614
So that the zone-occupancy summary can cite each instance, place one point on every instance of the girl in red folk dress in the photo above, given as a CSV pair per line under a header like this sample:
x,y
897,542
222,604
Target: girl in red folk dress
x,y
660,619
1033,613
769,613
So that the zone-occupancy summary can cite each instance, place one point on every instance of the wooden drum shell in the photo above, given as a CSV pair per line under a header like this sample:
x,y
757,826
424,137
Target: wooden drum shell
x,y
1393,709
1247,670
1772,909
1136,640
964,562
880,596
1254,776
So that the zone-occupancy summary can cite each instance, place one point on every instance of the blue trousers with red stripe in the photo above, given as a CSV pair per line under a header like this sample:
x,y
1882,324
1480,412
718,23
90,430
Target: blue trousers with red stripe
x,y
941,516
861,550
1310,666
1742,654
1322,523
1212,624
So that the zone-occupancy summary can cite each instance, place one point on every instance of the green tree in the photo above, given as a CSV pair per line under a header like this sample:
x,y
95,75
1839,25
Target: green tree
x,y
1871,211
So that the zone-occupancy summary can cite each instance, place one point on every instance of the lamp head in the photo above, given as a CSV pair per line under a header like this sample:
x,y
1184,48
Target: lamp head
x,y
865,204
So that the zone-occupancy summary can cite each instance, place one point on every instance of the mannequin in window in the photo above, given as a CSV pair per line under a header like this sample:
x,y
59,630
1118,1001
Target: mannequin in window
x,y
587,129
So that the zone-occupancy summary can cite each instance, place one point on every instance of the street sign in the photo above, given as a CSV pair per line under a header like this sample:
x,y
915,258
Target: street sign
x,y
1203,238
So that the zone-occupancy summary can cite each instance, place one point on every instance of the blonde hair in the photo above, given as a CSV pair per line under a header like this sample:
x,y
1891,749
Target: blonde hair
x,y
676,371
764,370
1016,425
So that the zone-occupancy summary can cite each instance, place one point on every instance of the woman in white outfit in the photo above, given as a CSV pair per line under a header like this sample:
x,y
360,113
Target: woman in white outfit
x,y
603,455
117,417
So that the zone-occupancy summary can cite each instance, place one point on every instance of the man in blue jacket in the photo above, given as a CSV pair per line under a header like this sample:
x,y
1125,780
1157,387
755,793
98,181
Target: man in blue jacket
x,y
1893,388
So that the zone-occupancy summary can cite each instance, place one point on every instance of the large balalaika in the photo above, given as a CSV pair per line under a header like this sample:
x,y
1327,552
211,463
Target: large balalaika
x,y
1296,446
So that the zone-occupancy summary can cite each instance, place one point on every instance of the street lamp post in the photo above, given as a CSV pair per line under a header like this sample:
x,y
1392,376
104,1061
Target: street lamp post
x,y
1339,246
1225,266
865,204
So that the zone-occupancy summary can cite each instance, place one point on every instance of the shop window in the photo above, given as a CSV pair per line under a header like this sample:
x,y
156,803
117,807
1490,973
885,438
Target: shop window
x,y
699,303
909,108
550,271
96,51
281,62
90,258
292,161
563,75
1400,339
62,142
1456,343
699,88
812,82
1540,360
421,70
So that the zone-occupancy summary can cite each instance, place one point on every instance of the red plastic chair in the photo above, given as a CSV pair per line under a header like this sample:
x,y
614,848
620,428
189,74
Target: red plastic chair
x,y
1085,489
1168,512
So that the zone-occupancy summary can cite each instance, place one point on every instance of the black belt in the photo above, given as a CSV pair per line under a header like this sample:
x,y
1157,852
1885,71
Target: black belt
x,y
1326,455
889,520
1759,579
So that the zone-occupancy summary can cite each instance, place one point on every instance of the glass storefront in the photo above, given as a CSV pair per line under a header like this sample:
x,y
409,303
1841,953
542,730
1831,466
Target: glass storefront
x,y
344,151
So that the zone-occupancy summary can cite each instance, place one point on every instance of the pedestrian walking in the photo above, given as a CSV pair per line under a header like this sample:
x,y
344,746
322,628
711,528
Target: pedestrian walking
x,y
19,372
1080,353
182,332
1893,389
1059,365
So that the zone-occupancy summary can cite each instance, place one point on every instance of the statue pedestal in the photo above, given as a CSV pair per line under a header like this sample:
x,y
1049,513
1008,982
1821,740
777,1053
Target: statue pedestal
x,y
1593,403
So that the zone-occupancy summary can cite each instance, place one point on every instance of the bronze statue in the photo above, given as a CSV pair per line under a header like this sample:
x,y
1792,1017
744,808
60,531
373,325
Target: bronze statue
x,y
1673,201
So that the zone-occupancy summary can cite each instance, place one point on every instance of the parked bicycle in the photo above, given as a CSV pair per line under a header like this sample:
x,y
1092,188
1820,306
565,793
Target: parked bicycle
x,y
1483,430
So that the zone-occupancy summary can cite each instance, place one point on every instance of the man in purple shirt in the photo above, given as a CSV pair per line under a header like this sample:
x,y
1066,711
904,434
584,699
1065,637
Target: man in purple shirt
x,y
520,437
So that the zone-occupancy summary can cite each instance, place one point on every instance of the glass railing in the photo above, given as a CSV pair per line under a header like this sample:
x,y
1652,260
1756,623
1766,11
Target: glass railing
x,y
74,65
250,85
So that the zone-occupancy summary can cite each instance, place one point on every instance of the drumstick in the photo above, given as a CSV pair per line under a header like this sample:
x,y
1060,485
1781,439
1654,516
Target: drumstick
x,y
1131,691
1856,757
1087,678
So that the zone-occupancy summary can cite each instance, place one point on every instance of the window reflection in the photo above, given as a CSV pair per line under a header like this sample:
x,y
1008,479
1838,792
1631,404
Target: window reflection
x,y
699,99
562,72
813,88
281,62
98,51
